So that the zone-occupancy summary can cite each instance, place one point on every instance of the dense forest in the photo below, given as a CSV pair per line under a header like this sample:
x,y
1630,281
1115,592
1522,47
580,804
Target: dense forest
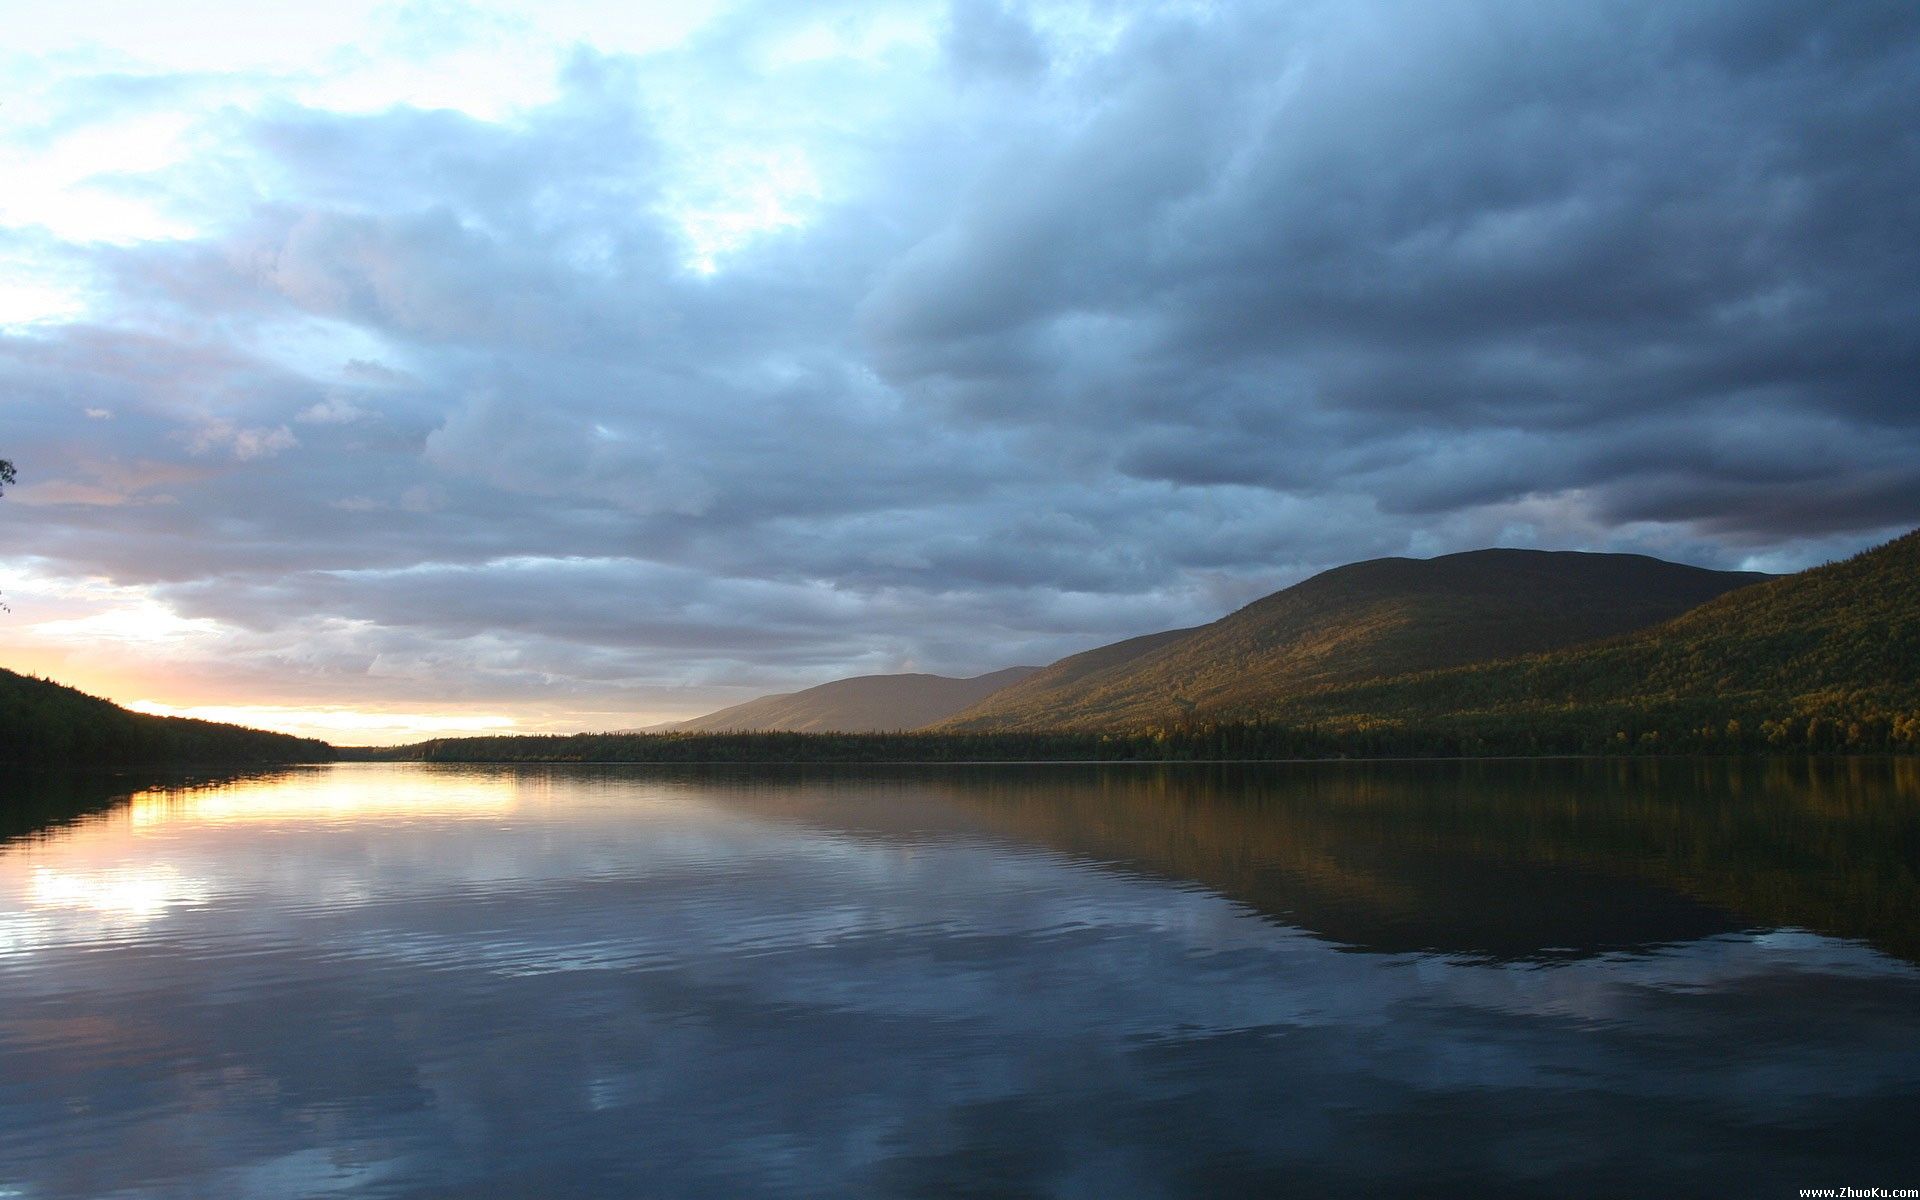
x,y
1364,621
1209,742
1826,660
42,722
1251,740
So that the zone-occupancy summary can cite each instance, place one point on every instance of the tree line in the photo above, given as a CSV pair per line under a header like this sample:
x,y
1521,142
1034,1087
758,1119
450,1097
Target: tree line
x,y
1631,733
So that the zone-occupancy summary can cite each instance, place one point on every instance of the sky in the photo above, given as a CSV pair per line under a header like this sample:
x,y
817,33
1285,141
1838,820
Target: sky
x,y
380,371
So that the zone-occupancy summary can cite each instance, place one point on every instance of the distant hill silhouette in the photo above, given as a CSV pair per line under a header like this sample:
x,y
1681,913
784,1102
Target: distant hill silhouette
x,y
863,704
44,723
1366,621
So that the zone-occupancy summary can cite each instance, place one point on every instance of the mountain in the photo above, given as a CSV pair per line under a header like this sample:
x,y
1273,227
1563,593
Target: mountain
x,y
1828,658
1379,618
1057,687
46,723
863,704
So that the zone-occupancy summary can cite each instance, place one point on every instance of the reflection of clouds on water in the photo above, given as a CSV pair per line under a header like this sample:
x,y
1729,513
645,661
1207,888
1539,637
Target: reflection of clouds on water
x,y
661,988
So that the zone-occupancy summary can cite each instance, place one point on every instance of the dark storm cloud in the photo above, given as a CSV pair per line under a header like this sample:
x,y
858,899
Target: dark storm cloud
x,y
1473,222
1095,329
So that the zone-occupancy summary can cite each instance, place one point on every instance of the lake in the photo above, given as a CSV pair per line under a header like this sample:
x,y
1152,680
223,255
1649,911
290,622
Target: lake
x,y
1505,978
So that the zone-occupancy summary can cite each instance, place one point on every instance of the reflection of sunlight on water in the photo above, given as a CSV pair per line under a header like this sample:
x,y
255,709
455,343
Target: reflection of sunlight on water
x,y
328,796
59,906
135,893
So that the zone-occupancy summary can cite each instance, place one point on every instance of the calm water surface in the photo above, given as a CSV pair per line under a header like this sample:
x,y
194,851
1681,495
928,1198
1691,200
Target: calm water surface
x,y
1503,979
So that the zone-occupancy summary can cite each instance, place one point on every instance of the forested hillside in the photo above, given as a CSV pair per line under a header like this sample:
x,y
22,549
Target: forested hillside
x,y
1827,659
42,722
1057,688
1381,618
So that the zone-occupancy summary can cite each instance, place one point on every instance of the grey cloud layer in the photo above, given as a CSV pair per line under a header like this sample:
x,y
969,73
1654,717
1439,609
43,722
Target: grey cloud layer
x,y
1082,339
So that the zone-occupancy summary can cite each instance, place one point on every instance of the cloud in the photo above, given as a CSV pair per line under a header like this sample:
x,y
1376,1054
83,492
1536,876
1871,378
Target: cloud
x,y
243,444
334,410
967,334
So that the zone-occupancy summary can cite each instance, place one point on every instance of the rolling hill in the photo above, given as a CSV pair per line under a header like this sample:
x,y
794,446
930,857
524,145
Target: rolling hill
x,y
46,723
863,704
1366,621
1056,687
1828,659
